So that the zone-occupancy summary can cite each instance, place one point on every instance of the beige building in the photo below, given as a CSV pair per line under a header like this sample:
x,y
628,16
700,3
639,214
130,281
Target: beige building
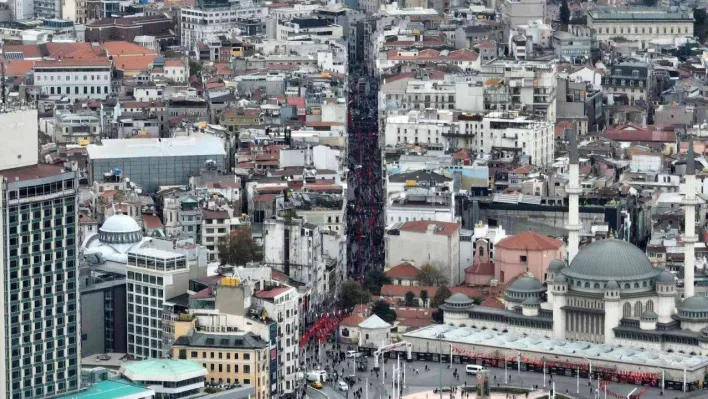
x,y
640,24
229,358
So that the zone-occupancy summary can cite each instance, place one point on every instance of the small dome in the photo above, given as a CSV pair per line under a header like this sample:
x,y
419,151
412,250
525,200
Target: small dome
x,y
556,265
611,260
612,285
531,301
458,299
665,278
694,303
526,284
391,105
120,223
649,315
560,279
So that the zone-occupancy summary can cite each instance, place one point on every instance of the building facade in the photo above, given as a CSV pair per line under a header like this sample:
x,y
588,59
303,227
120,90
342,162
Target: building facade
x,y
640,24
77,79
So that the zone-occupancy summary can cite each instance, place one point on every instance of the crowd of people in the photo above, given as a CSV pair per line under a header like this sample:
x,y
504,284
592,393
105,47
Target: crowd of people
x,y
365,218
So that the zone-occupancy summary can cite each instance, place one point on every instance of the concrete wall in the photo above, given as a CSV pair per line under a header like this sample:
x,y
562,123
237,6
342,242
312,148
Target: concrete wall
x,y
92,323
19,137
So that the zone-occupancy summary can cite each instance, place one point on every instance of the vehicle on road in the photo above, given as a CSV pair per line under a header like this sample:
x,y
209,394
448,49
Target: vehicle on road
x,y
353,354
317,375
342,386
473,369
316,385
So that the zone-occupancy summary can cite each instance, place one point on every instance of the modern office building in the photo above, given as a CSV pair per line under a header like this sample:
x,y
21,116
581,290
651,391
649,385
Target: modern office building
x,y
39,329
151,163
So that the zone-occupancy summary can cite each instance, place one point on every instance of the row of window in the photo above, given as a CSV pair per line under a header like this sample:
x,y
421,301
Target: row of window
x,y
67,90
642,30
68,78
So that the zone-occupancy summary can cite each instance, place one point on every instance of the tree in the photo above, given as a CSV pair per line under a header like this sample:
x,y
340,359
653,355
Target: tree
x,y
649,3
352,294
430,276
699,27
383,310
238,248
478,300
410,298
424,297
565,13
437,316
375,280
440,296
195,68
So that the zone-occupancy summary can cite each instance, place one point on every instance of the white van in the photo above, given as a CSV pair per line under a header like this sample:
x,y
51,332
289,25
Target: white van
x,y
473,369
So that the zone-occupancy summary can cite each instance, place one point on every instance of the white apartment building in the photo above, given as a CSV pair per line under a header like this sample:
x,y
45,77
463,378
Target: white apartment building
x,y
176,70
641,24
281,304
307,28
197,24
539,32
418,127
76,79
509,133
531,85
153,276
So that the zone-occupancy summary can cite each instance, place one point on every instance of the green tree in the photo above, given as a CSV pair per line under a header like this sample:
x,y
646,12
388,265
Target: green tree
x,y
352,294
410,298
238,248
478,300
424,297
437,316
564,13
383,310
375,280
431,276
699,26
195,68
440,296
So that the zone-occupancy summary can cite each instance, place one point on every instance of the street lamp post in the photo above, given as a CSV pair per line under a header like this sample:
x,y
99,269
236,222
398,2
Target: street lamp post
x,y
544,372
578,380
518,362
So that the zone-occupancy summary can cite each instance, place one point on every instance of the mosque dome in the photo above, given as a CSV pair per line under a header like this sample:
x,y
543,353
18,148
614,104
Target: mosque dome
x,y
560,279
458,299
612,285
611,259
649,315
120,229
694,304
665,278
526,284
556,265
391,105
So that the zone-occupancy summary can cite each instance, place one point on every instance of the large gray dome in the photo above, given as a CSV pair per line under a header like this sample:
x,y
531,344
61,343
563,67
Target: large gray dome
x,y
458,299
526,284
694,303
611,260
665,278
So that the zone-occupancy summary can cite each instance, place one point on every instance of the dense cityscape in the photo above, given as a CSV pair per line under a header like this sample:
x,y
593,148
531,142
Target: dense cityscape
x,y
354,199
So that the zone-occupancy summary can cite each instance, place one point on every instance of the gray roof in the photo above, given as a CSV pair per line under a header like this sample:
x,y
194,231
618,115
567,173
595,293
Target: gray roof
x,y
694,303
233,341
418,175
649,314
459,298
532,300
665,278
612,285
526,284
560,279
556,265
611,260
638,14
374,322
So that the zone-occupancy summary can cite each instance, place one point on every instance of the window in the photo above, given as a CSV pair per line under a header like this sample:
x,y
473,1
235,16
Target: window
x,y
522,258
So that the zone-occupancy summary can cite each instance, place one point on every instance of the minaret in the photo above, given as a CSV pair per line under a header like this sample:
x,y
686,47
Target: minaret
x,y
573,190
689,210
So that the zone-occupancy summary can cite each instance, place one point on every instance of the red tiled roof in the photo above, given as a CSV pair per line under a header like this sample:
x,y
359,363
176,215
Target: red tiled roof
x,y
125,48
298,102
481,269
152,222
271,293
18,67
279,276
205,293
529,241
27,50
32,172
656,136
134,62
492,302
415,322
265,197
421,226
80,50
174,62
352,321
404,270
95,61
390,290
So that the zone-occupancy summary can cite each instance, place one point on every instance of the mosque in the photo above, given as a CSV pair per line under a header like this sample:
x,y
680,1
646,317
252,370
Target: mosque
x,y
119,234
609,293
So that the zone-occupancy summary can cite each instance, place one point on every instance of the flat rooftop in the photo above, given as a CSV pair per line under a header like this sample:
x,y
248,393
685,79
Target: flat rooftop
x,y
31,172
183,146
638,13
113,389
540,344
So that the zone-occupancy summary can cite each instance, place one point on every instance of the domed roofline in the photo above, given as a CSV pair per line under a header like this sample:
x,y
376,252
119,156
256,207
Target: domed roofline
x,y
611,259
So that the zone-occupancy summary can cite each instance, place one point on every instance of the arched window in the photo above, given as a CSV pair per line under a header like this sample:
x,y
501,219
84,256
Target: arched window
x,y
626,286
644,283
650,305
587,285
627,310
636,285
596,286
637,309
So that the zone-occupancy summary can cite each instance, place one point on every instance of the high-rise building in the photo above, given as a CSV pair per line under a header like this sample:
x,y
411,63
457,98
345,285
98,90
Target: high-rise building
x,y
39,328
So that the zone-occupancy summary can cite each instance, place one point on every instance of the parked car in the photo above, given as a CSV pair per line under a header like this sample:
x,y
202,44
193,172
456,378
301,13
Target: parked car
x,y
342,386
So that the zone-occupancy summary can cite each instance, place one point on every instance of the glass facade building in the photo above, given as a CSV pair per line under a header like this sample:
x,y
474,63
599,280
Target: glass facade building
x,y
40,350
